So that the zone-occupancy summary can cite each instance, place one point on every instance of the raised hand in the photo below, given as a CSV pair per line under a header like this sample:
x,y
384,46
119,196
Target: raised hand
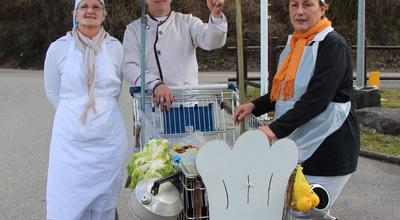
x,y
215,7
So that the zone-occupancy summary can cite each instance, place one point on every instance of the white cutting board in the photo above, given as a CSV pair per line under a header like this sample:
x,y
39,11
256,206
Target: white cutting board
x,y
249,181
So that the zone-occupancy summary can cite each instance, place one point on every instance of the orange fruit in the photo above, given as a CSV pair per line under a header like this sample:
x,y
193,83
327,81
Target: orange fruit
x,y
314,199
303,204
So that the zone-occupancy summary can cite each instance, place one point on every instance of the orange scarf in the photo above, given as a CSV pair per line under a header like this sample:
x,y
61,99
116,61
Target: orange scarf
x,y
288,69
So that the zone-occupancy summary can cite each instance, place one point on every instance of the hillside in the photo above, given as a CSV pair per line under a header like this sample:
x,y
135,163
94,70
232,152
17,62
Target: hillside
x,y
29,26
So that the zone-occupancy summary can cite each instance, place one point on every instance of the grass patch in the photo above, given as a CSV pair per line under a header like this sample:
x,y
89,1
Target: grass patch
x,y
377,142
390,98
252,93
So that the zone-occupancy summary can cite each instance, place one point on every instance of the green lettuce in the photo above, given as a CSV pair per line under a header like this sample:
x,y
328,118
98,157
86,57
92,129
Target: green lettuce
x,y
154,162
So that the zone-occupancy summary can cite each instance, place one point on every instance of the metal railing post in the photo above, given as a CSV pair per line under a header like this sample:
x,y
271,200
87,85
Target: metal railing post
x,y
245,64
239,40
360,44
272,50
365,62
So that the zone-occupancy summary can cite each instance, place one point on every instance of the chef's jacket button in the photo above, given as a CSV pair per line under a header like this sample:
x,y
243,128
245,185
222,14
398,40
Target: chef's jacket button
x,y
160,32
158,52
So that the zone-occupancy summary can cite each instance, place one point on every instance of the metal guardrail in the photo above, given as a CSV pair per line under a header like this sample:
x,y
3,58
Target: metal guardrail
x,y
273,55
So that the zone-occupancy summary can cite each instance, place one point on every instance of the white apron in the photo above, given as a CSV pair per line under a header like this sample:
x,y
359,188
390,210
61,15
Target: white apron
x,y
310,135
86,162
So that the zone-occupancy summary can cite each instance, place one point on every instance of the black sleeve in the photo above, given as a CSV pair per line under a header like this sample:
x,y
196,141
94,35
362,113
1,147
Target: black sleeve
x,y
331,67
263,105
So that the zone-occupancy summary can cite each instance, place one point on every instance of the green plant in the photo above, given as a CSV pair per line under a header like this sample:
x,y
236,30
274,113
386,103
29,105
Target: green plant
x,y
377,142
252,93
390,98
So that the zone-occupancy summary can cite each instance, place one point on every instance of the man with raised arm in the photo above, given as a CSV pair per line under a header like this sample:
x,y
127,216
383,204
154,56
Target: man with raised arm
x,y
171,42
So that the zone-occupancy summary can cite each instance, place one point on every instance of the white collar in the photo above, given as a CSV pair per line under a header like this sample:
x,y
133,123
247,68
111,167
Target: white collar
x,y
161,19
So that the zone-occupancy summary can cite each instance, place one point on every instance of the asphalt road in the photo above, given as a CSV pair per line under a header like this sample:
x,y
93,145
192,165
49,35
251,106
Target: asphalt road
x,y
373,192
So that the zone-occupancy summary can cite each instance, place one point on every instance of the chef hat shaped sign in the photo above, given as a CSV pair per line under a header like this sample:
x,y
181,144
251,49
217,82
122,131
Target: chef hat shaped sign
x,y
249,181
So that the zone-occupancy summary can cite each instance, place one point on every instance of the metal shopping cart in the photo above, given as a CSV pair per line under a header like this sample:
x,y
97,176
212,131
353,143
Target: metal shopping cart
x,y
199,110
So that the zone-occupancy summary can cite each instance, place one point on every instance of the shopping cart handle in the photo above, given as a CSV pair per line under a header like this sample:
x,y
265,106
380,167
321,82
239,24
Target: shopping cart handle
x,y
137,89
134,90
230,86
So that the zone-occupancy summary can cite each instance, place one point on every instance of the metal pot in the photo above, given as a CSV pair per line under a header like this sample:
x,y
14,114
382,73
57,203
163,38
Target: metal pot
x,y
321,211
156,200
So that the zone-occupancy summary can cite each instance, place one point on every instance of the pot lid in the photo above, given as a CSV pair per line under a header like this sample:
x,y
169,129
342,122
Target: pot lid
x,y
167,202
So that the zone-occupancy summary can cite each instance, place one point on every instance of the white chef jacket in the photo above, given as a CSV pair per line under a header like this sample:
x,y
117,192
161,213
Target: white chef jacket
x,y
171,48
86,161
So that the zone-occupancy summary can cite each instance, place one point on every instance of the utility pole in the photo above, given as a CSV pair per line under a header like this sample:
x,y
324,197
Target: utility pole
x,y
239,42
264,46
360,77
142,69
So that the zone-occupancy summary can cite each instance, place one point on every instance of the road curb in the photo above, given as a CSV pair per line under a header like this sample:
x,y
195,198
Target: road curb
x,y
380,156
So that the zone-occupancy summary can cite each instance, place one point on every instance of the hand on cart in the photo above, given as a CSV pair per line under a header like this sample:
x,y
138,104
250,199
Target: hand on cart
x,y
163,96
268,132
242,111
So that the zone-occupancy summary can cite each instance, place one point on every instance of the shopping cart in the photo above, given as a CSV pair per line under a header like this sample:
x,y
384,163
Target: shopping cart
x,y
199,110
252,122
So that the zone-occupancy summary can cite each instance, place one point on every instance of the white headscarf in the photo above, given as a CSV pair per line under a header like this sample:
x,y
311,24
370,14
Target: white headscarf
x,y
77,2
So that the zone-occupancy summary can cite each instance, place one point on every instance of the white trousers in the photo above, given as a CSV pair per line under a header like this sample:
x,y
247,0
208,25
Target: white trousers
x,y
333,184
95,215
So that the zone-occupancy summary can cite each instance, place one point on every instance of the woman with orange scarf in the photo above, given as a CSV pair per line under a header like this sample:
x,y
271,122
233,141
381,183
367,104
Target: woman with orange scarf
x,y
311,94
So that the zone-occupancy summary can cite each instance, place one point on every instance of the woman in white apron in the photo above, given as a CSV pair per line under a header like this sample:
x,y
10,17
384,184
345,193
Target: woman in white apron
x,y
311,94
82,77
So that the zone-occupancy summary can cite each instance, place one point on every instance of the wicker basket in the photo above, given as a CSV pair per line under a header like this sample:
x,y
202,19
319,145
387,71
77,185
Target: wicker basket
x,y
289,191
